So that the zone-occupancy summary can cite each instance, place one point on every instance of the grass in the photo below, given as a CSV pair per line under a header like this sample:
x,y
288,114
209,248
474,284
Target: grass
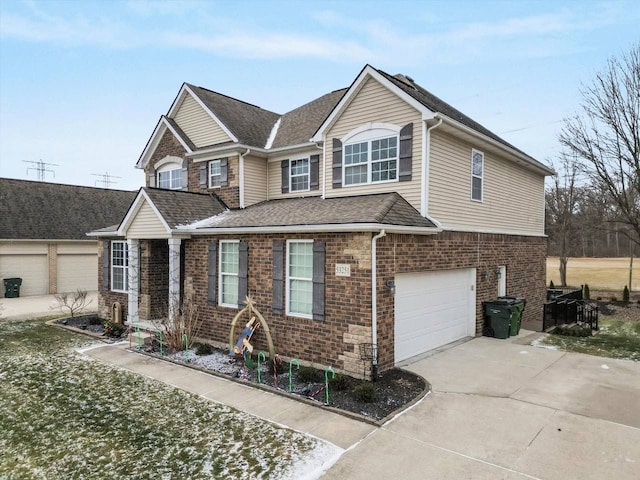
x,y
599,273
63,415
616,339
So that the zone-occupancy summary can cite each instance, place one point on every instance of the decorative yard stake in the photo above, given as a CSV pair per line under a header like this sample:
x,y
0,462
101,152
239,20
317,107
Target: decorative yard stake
x,y
186,347
264,359
160,335
293,360
326,381
137,329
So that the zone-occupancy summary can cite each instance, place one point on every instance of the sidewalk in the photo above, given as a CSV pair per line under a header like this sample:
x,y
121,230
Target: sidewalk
x,y
38,306
337,429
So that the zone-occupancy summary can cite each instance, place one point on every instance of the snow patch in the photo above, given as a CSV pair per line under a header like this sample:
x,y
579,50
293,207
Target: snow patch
x,y
604,366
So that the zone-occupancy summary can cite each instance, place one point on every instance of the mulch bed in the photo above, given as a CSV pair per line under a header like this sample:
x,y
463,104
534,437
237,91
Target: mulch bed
x,y
629,312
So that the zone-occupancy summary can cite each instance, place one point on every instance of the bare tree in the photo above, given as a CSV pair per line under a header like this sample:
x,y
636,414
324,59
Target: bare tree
x,y
605,136
73,302
562,201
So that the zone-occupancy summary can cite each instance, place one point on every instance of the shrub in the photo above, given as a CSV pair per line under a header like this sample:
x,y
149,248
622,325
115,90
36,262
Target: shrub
x,y
310,375
364,392
599,299
339,383
203,349
586,293
625,294
112,329
551,285
614,298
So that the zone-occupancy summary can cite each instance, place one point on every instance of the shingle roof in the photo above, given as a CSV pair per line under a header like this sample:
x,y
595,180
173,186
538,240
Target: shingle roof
x,y
384,208
180,132
52,211
299,125
180,208
249,123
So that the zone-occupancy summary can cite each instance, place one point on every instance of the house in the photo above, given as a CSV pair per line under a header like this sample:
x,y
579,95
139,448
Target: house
x,y
43,233
374,215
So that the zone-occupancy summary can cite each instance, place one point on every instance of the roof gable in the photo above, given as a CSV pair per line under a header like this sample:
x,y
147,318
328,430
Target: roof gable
x,y
162,126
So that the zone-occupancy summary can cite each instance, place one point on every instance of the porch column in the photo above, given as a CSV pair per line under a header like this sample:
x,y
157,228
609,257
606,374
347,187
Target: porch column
x,y
174,277
133,281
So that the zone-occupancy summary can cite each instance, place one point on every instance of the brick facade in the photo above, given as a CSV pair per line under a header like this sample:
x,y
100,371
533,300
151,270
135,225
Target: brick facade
x,y
154,279
106,297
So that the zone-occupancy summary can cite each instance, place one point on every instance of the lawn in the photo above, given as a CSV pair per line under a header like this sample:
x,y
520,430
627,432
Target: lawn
x,y
63,415
599,273
616,339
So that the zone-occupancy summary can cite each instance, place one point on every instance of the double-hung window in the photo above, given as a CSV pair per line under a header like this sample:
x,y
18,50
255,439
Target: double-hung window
x,y
372,161
215,173
299,175
300,278
170,179
477,175
119,266
229,267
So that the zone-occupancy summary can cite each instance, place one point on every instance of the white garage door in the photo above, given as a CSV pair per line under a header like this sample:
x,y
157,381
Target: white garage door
x,y
433,309
33,270
77,272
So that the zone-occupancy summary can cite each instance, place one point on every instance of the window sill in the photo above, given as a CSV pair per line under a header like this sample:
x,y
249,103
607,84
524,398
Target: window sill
x,y
370,183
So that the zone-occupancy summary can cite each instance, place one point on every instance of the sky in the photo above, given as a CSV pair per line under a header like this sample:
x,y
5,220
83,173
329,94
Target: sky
x,y
83,84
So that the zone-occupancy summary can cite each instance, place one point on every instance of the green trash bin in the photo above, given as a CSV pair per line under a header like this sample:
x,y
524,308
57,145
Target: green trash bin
x,y
518,304
12,287
498,317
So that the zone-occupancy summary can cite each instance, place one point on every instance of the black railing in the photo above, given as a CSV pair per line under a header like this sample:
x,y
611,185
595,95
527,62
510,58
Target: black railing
x,y
566,306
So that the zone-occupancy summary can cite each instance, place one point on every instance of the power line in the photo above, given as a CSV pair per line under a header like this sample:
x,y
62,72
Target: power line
x,y
105,179
41,168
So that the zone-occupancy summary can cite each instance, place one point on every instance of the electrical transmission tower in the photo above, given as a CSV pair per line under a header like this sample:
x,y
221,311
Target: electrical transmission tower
x,y
41,168
105,179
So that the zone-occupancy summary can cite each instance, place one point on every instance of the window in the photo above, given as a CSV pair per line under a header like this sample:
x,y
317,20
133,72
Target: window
x,y
119,266
372,161
300,278
477,171
215,173
299,172
170,179
229,266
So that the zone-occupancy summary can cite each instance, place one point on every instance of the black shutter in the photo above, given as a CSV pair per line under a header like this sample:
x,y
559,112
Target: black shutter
x,y
243,270
224,166
284,164
314,172
185,174
152,177
406,147
106,260
318,279
212,273
337,163
278,277
203,175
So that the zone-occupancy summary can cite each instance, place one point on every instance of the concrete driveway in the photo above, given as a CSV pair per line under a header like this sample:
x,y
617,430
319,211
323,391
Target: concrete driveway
x,y
501,409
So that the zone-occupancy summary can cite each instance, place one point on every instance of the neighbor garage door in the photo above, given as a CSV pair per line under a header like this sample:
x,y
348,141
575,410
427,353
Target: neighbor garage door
x,y
33,270
433,309
77,272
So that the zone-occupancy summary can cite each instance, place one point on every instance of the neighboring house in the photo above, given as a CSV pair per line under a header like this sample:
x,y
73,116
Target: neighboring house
x,y
43,233
376,214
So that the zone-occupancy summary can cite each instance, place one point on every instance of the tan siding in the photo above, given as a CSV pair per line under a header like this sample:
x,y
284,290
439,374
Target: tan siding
x,y
255,180
201,129
146,224
275,176
375,103
23,248
77,248
513,196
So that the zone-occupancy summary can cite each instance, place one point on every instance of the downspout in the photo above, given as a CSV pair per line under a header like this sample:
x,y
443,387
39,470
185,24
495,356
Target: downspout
x,y
241,176
426,160
324,169
374,304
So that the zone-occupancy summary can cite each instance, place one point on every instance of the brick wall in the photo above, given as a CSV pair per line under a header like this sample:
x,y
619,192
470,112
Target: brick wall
x,y
105,296
154,279
169,146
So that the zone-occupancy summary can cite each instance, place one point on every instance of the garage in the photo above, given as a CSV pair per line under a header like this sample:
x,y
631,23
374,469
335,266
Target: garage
x,y
33,270
433,309
77,272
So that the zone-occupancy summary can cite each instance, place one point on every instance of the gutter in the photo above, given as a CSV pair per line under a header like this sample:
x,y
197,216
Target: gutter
x,y
343,227
374,304
426,162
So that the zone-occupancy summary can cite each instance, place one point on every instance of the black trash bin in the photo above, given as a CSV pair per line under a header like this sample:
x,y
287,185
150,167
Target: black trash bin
x,y
12,287
502,316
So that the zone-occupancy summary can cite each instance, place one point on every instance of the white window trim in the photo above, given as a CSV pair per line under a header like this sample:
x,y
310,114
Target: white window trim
x,y
169,168
221,273
368,134
209,164
125,267
288,281
481,177
308,174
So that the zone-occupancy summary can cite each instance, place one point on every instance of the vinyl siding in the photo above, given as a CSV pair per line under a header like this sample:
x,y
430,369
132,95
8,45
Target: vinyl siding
x,y
513,197
201,129
375,103
146,224
79,248
275,176
255,180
